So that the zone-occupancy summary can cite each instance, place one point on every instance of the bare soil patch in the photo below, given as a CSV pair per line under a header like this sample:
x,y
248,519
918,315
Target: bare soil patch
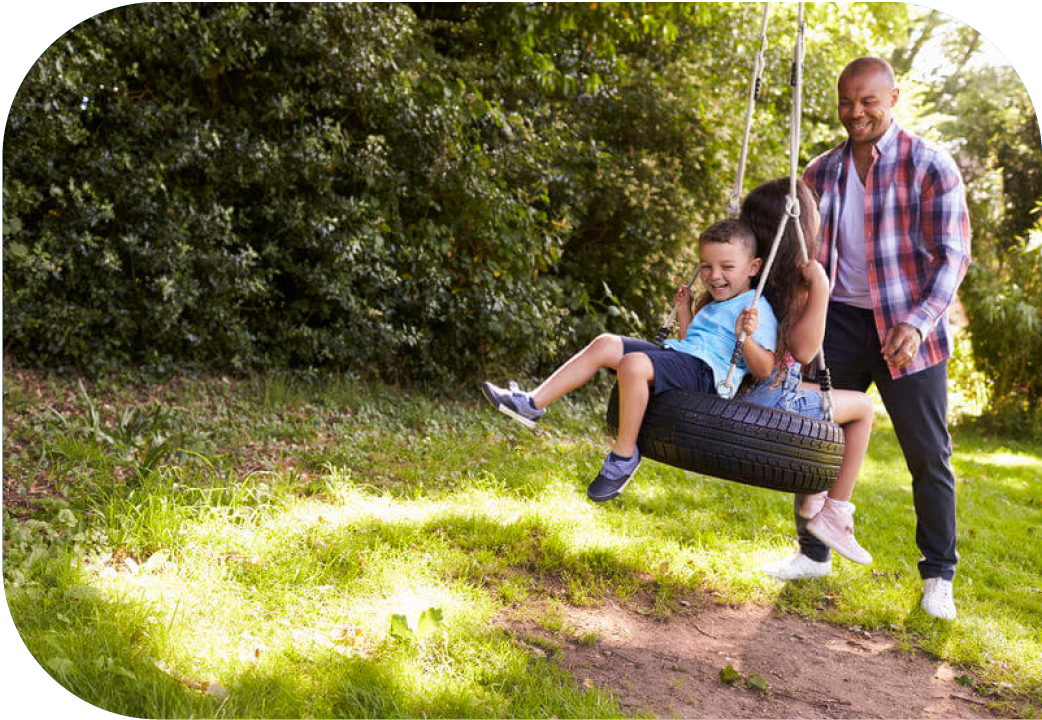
x,y
671,667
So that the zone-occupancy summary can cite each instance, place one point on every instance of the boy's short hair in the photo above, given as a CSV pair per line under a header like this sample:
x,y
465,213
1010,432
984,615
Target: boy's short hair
x,y
731,230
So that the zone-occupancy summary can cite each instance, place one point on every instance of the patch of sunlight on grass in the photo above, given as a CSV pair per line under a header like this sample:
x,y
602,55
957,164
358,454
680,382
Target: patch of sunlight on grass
x,y
996,640
352,505
1007,460
413,598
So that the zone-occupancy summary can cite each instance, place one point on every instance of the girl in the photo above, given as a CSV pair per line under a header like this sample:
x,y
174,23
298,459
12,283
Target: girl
x,y
728,262
800,301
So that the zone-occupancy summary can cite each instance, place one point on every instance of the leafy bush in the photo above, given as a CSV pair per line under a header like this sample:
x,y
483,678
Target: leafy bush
x,y
1003,296
427,190
254,184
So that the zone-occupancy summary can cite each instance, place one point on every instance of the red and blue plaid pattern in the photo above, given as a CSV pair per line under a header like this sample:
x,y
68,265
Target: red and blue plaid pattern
x,y
917,231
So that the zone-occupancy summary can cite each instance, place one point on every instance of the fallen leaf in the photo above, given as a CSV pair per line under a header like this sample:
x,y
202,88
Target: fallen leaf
x,y
756,682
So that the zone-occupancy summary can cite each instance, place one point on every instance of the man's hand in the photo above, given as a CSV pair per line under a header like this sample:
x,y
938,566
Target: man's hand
x,y
901,345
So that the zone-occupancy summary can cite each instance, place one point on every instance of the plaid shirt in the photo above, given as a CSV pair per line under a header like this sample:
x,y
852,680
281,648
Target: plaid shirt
x,y
917,235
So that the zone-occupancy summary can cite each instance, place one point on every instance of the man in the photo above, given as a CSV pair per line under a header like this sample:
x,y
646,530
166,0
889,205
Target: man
x,y
895,239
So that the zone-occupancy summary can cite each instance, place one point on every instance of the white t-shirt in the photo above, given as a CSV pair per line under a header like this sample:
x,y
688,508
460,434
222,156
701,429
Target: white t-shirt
x,y
851,272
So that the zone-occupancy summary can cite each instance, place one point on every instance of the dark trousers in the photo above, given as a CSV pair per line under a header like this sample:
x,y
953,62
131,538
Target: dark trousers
x,y
918,407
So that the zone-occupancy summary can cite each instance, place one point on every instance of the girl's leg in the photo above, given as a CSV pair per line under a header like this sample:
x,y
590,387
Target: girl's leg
x,y
854,412
636,375
834,524
604,351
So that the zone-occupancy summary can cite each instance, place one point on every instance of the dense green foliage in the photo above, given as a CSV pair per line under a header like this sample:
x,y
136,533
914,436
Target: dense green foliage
x,y
988,115
421,189
436,190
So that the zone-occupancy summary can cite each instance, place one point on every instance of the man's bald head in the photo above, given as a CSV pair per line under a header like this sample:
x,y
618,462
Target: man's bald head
x,y
864,65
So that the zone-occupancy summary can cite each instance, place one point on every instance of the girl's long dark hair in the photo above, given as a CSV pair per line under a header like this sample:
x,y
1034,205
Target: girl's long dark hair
x,y
785,290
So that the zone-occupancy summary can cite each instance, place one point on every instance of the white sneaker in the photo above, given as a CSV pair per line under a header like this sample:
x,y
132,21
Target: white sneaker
x,y
799,567
937,598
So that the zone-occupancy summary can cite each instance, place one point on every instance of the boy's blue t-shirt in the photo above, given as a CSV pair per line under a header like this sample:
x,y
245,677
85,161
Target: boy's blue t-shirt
x,y
711,336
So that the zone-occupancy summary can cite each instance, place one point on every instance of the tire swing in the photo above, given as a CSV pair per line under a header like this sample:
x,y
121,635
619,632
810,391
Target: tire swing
x,y
731,439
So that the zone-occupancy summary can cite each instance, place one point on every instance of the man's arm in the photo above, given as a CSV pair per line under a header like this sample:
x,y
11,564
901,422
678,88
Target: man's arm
x,y
945,230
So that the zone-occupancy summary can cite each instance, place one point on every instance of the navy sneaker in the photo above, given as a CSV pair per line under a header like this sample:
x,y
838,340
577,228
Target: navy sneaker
x,y
513,402
613,478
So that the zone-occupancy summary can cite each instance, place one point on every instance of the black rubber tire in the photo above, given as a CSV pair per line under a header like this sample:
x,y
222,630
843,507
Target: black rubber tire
x,y
738,441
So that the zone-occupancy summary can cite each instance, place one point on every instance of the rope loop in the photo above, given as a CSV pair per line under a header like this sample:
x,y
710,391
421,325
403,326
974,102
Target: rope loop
x,y
792,207
733,204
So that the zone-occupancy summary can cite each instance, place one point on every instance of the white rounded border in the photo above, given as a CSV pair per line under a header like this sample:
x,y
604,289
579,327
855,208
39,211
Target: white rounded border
x,y
28,27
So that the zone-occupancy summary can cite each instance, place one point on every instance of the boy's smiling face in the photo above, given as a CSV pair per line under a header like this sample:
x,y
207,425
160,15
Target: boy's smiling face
x,y
726,269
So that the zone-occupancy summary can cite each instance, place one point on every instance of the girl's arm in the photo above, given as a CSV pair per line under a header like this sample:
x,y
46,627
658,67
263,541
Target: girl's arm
x,y
809,330
759,360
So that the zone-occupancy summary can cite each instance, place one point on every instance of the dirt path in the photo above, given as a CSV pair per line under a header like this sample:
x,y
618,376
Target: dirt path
x,y
812,670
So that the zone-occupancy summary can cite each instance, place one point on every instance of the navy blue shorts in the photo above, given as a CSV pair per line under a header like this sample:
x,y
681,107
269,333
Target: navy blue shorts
x,y
674,370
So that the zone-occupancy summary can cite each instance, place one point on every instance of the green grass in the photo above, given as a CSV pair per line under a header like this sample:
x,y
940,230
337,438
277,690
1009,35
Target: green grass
x,y
221,548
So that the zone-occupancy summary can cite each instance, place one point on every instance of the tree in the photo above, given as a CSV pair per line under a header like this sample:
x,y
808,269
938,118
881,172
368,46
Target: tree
x,y
427,190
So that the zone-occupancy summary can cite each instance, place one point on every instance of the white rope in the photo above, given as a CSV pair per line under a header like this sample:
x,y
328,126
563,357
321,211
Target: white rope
x,y
733,200
792,210
792,206
795,126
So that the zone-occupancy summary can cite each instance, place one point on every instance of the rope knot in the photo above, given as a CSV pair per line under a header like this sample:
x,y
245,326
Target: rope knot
x,y
733,206
792,207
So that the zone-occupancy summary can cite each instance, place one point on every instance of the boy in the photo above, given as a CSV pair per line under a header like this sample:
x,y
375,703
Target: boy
x,y
697,362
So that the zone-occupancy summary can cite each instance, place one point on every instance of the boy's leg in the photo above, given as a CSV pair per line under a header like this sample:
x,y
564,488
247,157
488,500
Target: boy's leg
x,y
528,407
636,374
604,351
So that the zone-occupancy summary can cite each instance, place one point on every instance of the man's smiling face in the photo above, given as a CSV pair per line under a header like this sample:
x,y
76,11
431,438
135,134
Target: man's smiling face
x,y
866,102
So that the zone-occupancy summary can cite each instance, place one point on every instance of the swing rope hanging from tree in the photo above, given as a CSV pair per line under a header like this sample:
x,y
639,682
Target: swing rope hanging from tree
x,y
731,439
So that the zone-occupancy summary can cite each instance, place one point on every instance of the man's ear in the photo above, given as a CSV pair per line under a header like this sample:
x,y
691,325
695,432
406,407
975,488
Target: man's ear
x,y
894,95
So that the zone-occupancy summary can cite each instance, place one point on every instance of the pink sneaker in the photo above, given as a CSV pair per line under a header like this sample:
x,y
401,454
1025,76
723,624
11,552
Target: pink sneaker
x,y
835,528
812,505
